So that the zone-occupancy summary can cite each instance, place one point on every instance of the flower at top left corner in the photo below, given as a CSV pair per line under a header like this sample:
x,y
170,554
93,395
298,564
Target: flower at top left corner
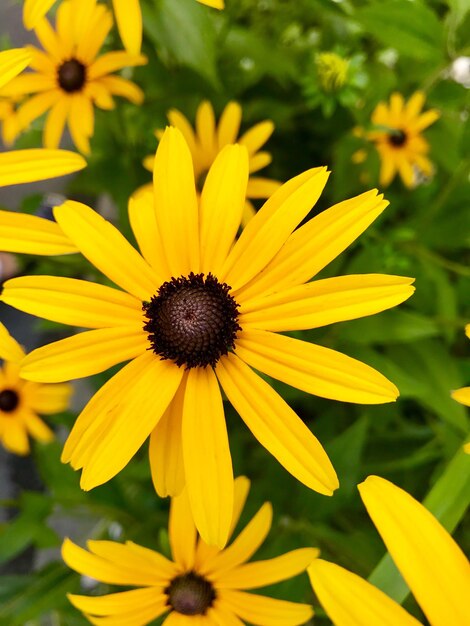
x,y
69,78
21,400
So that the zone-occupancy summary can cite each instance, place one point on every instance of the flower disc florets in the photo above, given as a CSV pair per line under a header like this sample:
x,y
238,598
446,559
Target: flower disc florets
x,y
190,594
397,138
71,75
9,400
192,320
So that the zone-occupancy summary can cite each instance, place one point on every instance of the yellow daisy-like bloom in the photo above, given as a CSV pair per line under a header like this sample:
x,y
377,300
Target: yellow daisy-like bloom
x,y
432,564
128,17
398,138
22,400
463,395
209,139
27,166
197,310
201,586
68,77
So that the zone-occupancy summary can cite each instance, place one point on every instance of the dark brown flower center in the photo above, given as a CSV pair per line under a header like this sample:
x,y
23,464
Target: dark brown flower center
x,y
9,400
192,320
71,75
190,594
397,138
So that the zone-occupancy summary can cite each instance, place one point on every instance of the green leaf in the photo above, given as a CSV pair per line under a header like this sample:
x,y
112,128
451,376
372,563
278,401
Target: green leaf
x,y
448,500
184,32
410,27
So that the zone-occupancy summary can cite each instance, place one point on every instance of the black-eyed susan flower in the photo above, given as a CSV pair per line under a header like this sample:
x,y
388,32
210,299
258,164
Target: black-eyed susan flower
x,y
463,395
209,138
127,12
432,564
398,138
201,585
196,312
69,78
21,400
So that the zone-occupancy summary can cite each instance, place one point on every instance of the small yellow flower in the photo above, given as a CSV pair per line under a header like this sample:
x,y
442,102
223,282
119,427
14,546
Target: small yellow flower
x,y
463,395
398,138
432,564
22,400
209,139
197,312
69,78
127,12
332,70
201,586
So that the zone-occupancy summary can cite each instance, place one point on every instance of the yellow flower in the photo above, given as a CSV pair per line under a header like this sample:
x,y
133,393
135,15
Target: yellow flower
x,y
463,395
22,400
398,138
332,70
201,585
209,139
127,12
198,310
432,564
69,78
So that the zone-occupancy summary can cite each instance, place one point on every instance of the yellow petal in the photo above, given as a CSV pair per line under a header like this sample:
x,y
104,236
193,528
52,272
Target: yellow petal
x,y
462,395
12,62
177,119
81,122
84,354
112,62
276,426
49,40
259,187
104,246
221,207
216,4
426,119
263,573
259,160
205,130
10,349
269,229
229,124
129,22
15,438
257,136
165,450
176,203
262,611
182,532
244,546
432,564
207,459
92,24
36,106
351,601
312,246
29,234
143,405
222,616
72,301
123,602
119,86
34,10
36,427
326,302
27,166
49,399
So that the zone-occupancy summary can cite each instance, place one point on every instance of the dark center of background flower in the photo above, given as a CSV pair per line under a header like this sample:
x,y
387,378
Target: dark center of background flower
x,y
397,138
72,75
192,320
9,400
190,594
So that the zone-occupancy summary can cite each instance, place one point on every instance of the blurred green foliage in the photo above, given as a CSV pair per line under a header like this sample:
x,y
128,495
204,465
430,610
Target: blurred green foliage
x,y
264,54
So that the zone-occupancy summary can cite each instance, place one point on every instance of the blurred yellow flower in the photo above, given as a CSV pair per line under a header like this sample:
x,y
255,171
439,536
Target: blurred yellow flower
x,y
432,564
398,138
127,12
22,400
201,585
463,395
332,70
69,78
198,312
209,139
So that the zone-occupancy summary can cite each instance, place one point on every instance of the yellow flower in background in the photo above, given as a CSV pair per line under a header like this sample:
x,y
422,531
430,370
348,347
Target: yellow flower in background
x,y
398,138
195,313
432,564
201,585
208,139
69,78
463,395
127,12
22,400
332,70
